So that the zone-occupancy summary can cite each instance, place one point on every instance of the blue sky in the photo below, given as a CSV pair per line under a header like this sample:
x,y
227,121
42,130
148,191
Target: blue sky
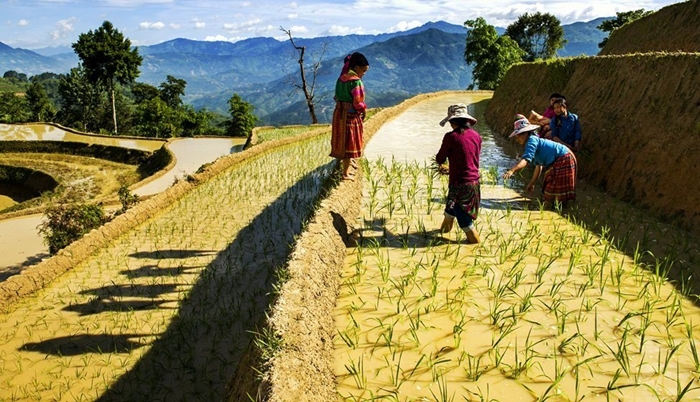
x,y
32,24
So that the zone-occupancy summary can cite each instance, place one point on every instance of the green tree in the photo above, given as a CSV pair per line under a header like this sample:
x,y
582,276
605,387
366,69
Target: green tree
x,y
154,118
108,60
172,90
13,108
491,55
620,20
49,81
39,103
242,119
15,76
80,101
143,92
539,35
198,122
67,222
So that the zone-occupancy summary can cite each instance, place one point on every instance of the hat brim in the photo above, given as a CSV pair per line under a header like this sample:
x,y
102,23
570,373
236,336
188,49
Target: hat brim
x,y
469,118
524,129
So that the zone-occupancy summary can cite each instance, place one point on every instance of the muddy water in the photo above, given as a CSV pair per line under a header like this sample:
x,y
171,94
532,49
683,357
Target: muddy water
x,y
190,154
542,309
416,134
45,132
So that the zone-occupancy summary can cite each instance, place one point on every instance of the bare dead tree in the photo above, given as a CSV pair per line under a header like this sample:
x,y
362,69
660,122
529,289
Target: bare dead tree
x,y
305,87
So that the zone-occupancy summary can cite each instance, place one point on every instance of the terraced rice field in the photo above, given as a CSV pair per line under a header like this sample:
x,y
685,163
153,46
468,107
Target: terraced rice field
x,y
551,306
164,312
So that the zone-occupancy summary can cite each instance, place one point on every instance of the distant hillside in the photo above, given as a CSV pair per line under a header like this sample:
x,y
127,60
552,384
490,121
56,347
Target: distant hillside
x,y
400,67
424,59
583,38
28,62
675,28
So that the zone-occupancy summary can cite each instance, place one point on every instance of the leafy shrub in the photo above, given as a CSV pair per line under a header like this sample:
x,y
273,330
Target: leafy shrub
x,y
69,221
127,198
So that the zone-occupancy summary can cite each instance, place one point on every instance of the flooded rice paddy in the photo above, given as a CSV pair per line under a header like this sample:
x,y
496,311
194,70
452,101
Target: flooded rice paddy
x,y
166,311
551,305
24,246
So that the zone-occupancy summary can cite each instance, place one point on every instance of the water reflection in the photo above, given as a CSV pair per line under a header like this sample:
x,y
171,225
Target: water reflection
x,y
417,136
45,132
190,153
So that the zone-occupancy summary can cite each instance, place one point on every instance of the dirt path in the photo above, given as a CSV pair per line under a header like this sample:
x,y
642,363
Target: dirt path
x,y
165,312
550,306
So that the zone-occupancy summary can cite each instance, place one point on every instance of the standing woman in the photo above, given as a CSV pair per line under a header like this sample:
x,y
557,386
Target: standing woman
x,y
462,147
349,113
558,162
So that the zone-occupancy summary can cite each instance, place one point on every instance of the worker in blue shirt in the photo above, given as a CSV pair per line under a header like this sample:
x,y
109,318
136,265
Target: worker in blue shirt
x,y
565,127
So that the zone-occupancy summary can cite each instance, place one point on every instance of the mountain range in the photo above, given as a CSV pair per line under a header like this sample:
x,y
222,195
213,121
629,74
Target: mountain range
x,y
263,70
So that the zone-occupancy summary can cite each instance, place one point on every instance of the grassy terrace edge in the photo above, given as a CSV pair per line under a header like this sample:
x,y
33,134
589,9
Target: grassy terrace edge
x,y
300,320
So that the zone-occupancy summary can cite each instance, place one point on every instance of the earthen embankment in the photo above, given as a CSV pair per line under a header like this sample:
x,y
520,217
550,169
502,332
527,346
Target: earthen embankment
x,y
640,122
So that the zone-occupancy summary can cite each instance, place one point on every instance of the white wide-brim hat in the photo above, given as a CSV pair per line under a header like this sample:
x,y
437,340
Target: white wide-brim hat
x,y
458,111
522,126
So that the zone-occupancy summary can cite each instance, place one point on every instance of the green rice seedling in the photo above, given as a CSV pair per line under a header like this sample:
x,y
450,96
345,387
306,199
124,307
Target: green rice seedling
x,y
474,370
443,394
434,364
388,336
561,315
674,311
497,312
397,379
357,371
523,365
499,336
556,287
526,299
681,392
350,336
621,355
551,391
661,368
480,395
693,346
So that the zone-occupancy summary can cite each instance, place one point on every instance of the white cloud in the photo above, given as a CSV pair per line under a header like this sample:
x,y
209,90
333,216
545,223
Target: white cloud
x,y
245,4
175,26
63,27
292,16
265,29
404,26
236,27
198,24
297,29
23,23
217,38
151,25
343,30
